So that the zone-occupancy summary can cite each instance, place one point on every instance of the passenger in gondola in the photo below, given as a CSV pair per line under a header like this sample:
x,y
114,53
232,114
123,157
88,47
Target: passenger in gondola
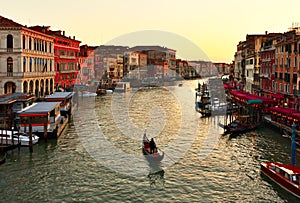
x,y
152,146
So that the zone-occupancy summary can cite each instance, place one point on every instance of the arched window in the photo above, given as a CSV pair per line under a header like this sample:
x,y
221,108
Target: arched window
x,y
24,64
30,43
24,42
9,42
9,66
30,65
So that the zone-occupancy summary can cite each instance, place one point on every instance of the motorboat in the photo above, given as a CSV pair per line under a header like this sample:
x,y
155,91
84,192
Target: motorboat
x,y
285,175
8,137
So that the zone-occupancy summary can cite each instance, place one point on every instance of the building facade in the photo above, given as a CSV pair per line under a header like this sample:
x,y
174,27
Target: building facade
x,y
26,60
66,57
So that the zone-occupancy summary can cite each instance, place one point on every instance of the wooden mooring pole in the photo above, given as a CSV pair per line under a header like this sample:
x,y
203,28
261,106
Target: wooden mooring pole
x,y
30,137
45,129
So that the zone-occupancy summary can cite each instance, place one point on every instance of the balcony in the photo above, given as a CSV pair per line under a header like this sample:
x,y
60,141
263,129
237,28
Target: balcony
x,y
67,57
68,71
26,74
9,50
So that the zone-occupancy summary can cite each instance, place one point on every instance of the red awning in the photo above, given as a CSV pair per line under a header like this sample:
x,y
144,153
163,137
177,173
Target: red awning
x,y
285,111
228,86
296,116
278,96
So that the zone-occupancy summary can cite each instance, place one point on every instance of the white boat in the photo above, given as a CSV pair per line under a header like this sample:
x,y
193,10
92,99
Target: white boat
x,y
122,87
6,137
109,91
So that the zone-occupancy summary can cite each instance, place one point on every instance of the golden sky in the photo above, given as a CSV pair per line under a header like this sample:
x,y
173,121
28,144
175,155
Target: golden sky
x,y
214,26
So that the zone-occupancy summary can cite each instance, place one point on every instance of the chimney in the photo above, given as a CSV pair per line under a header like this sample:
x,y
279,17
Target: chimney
x,y
74,37
266,32
63,33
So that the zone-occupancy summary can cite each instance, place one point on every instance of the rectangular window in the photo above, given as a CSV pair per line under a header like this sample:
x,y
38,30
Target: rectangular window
x,y
295,78
62,53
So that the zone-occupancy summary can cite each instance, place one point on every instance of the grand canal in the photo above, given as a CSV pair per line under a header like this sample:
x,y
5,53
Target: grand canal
x,y
99,159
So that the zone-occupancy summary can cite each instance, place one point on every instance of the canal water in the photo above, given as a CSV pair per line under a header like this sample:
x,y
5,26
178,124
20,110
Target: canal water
x,y
99,157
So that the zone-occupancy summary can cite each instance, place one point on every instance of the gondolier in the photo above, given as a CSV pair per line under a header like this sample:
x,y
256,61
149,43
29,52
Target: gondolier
x,y
152,146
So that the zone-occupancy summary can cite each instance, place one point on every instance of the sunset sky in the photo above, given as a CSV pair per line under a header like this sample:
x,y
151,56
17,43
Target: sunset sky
x,y
215,26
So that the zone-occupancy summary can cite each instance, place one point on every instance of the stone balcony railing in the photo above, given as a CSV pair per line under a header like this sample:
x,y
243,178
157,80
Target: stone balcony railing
x,y
67,57
68,71
18,50
26,74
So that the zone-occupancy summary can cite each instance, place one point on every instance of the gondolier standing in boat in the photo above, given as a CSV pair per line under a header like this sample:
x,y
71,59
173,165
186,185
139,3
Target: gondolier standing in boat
x,y
152,146
145,139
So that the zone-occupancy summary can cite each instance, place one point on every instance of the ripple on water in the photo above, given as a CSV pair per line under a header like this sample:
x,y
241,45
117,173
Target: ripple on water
x,y
228,170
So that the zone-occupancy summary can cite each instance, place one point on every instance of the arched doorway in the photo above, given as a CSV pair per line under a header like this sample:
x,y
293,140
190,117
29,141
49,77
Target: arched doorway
x,y
9,88
51,86
25,87
31,87
42,88
37,88
47,87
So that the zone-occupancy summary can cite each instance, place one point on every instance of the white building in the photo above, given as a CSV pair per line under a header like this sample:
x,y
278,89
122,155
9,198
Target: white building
x,y
26,60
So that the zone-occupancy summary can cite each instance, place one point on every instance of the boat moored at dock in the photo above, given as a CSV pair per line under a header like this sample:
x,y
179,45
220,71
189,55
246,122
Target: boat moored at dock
x,y
45,119
9,137
285,175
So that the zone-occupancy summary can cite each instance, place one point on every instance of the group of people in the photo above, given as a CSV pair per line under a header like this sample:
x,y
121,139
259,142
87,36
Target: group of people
x,y
149,144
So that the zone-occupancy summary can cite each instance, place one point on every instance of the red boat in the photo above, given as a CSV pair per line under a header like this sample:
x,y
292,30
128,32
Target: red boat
x,y
285,175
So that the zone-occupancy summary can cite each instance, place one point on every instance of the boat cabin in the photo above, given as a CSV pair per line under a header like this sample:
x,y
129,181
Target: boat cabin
x,y
286,173
67,102
40,115
10,104
122,87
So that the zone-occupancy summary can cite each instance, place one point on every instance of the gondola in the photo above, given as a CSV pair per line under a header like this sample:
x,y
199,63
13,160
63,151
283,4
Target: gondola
x,y
158,154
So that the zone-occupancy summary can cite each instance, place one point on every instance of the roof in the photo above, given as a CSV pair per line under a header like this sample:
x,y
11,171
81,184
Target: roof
x,y
39,108
17,96
60,95
5,22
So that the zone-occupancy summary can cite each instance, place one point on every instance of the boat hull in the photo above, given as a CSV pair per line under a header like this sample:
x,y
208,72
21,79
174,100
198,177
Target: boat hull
x,y
155,157
7,139
285,183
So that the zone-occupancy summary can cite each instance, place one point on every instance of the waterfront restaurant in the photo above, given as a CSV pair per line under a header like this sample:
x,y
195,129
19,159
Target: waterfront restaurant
x,y
67,102
40,115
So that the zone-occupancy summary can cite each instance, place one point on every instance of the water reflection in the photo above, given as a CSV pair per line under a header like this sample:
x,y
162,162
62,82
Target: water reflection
x,y
156,175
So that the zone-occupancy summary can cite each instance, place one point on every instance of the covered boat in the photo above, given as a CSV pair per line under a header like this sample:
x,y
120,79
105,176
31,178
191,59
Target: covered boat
x,y
239,126
285,175
156,156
